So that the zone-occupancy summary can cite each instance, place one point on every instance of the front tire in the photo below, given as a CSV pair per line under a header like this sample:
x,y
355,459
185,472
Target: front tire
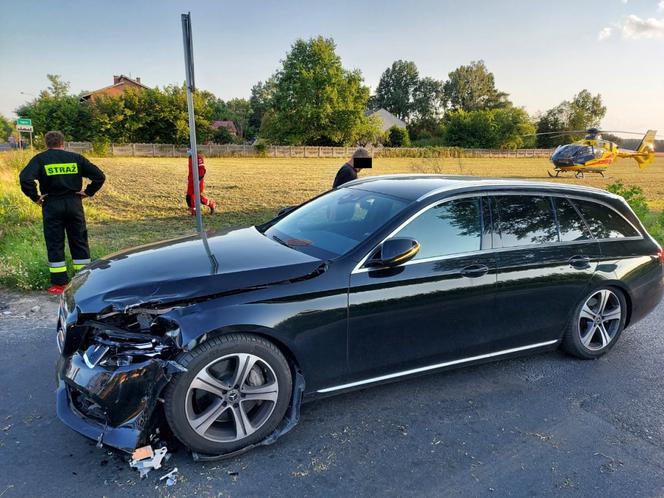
x,y
597,323
235,392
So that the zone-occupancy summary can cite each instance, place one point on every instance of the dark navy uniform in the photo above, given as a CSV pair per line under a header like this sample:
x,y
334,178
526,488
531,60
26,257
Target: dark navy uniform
x,y
60,175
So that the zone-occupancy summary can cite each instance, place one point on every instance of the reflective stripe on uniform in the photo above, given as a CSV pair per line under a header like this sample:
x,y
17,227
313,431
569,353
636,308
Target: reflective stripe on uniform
x,y
57,264
58,269
78,267
81,261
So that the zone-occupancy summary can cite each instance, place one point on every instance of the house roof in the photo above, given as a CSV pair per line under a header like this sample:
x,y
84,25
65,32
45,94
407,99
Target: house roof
x,y
225,123
121,80
387,119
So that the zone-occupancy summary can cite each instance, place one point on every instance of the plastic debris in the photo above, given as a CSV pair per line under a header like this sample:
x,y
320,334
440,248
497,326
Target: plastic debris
x,y
148,459
171,477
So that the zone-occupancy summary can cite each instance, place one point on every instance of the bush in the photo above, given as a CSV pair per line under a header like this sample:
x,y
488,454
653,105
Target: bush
x,y
261,149
633,194
101,147
397,137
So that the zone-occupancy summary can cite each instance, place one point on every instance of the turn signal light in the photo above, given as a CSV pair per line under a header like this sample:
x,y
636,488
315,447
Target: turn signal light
x,y
660,253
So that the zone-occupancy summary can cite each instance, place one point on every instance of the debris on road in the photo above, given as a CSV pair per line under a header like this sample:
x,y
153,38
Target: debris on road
x,y
171,477
145,459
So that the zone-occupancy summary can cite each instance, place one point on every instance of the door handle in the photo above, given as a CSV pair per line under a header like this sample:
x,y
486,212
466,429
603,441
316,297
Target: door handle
x,y
474,271
579,261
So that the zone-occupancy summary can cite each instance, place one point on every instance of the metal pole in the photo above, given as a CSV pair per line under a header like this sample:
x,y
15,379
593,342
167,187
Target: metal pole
x,y
189,71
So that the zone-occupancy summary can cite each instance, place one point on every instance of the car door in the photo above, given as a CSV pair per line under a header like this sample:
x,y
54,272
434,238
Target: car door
x,y
436,307
545,265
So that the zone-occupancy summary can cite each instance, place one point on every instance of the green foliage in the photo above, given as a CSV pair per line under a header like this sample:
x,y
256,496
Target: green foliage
x,y
473,88
488,129
6,128
635,197
54,109
395,89
222,136
583,111
259,102
397,137
315,100
236,110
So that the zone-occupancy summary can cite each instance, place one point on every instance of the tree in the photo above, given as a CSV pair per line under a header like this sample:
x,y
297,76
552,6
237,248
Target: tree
x,y
396,87
397,137
582,112
428,107
315,101
5,128
472,88
261,95
491,128
55,109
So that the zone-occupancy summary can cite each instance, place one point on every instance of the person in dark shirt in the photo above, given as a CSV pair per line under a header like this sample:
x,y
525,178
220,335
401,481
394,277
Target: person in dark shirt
x,y
60,175
348,172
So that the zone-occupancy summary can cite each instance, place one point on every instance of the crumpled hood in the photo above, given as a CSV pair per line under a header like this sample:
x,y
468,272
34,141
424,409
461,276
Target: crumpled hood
x,y
181,269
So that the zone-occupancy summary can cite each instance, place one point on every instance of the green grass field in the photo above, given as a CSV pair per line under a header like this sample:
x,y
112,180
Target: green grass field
x,y
143,198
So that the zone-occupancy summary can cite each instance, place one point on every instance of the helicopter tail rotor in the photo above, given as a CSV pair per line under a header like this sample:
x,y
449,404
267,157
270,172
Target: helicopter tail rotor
x,y
646,150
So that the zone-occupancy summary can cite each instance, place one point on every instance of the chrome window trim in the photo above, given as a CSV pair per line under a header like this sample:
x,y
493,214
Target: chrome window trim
x,y
358,267
435,366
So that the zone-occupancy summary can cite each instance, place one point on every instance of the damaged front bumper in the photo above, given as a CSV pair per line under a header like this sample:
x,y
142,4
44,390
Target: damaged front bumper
x,y
110,405
109,379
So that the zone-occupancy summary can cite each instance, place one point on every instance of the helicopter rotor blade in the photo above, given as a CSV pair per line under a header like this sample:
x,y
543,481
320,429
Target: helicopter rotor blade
x,y
624,132
559,132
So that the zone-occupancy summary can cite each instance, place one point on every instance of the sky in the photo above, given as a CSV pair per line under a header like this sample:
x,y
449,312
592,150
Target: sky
x,y
541,52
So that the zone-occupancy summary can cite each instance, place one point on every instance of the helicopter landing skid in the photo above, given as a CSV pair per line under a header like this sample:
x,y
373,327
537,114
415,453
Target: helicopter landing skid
x,y
551,175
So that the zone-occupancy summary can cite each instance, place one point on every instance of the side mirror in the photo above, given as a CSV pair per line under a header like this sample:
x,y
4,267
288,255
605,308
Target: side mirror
x,y
394,252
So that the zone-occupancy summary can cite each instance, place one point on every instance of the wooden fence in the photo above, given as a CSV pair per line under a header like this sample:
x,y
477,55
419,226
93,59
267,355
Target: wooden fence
x,y
231,150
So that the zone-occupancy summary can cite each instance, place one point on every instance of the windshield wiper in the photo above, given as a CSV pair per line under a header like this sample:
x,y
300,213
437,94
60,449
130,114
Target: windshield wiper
x,y
277,239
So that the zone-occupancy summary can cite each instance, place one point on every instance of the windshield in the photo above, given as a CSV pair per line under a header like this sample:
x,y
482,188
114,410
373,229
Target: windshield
x,y
572,151
335,223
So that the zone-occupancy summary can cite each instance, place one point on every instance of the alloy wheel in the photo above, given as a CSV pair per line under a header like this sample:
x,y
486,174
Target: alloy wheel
x,y
599,320
232,397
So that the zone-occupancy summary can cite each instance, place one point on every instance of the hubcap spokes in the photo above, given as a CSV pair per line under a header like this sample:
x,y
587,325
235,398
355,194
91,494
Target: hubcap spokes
x,y
232,397
599,320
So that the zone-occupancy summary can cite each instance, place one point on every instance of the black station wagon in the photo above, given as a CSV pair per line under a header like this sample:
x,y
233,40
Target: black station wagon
x,y
223,336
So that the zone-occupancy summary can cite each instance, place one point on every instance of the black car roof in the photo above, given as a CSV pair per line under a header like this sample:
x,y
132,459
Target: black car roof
x,y
417,187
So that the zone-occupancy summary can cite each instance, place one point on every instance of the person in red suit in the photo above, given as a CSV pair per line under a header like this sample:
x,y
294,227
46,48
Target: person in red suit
x,y
191,203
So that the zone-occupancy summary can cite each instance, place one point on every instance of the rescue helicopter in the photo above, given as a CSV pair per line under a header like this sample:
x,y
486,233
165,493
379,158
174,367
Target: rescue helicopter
x,y
593,154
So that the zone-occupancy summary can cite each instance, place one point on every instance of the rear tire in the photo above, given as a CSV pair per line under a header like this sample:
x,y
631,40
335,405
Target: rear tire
x,y
597,323
235,392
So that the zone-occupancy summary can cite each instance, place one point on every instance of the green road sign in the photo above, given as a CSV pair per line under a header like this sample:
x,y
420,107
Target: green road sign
x,y
24,121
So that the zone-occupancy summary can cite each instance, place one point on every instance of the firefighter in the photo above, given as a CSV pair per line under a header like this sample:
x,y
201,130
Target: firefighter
x,y
348,172
191,203
60,175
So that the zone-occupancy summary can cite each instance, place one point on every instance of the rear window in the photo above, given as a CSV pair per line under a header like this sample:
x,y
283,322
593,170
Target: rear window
x,y
572,227
604,222
525,220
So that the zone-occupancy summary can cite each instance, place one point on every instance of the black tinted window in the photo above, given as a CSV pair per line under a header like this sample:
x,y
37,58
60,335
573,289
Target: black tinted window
x,y
604,222
572,226
450,228
526,219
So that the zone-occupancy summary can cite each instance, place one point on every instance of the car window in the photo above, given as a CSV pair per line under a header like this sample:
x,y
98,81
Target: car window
x,y
604,222
572,227
525,220
450,228
336,222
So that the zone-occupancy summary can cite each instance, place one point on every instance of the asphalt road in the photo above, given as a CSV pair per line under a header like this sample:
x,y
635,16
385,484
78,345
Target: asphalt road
x,y
546,425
